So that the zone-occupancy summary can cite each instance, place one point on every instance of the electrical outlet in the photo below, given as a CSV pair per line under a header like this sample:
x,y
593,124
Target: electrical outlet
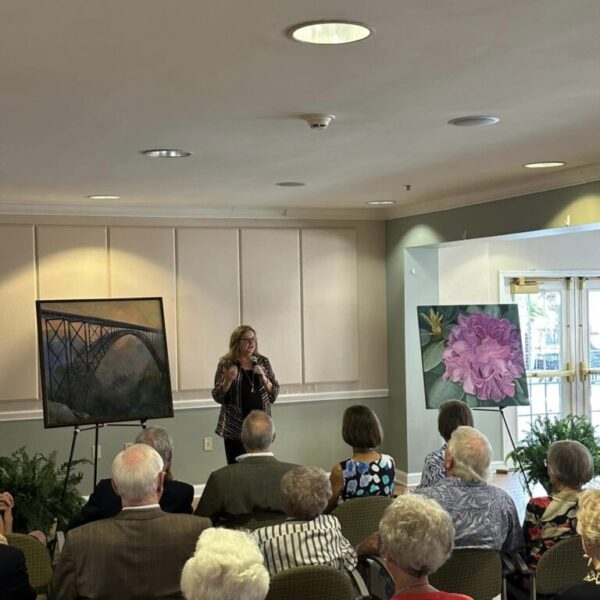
x,y
99,452
207,444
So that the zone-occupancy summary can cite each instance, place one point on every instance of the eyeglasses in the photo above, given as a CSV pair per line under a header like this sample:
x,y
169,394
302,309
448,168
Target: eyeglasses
x,y
248,340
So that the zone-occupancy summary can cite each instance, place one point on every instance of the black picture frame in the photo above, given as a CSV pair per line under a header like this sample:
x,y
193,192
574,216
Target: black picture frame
x,y
103,361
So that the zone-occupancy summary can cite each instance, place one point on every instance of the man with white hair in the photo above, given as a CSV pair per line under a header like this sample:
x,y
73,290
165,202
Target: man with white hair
x,y
248,490
484,516
177,496
140,552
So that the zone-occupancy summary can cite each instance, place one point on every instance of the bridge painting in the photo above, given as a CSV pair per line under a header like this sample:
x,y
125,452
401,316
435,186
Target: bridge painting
x,y
103,361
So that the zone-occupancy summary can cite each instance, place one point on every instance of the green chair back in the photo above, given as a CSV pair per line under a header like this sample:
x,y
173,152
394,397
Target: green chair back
x,y
474,572
37,558
360,517
561,567
311,583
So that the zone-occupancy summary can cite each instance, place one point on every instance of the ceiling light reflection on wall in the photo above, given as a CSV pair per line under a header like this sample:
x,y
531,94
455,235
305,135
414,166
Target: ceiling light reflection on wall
x,y
474,121
545,165
103,197
166,153
381,202
330,32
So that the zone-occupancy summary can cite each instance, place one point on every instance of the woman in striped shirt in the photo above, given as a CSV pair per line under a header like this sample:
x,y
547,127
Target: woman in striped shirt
x,y
308,537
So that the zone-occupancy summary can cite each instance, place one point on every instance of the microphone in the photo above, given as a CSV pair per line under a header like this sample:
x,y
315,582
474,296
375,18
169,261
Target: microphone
x,y
254,360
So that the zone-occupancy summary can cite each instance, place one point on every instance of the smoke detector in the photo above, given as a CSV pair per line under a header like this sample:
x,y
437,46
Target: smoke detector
x,y
318,120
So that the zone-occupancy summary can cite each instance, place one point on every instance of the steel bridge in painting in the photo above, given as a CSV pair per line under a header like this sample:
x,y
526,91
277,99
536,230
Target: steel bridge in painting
x,y
74,346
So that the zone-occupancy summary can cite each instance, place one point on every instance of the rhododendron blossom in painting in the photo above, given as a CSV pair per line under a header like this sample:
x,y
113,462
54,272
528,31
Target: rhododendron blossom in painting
x,y
483,353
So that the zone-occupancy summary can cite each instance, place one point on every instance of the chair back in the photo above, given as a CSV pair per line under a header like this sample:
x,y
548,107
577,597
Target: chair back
x,y
360,517
561,567
256,520
37,559
311,583
474,572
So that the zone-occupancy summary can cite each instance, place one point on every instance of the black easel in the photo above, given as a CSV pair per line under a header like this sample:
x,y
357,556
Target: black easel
x,y
512,441
96,429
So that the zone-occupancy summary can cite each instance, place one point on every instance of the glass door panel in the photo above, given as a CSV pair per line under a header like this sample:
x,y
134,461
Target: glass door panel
x,y
546,345
590,372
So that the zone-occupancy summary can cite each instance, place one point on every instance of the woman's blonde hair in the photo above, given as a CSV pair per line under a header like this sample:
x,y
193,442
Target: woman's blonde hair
x,y
588,518
234,342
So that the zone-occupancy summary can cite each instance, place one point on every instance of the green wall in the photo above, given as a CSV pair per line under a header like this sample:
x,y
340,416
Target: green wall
x,y
307,433
546,210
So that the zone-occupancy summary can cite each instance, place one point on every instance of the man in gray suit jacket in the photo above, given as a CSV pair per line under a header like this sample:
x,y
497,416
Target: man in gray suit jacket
x,y
248,491
137,554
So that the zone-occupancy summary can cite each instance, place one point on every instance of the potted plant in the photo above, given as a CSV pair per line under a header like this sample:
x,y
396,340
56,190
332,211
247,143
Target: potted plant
x,y
531,452
36,484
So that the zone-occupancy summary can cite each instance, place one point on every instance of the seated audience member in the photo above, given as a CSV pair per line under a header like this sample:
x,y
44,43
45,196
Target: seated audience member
x,y
7,505
367,472
177,496
14,580
549,519
417,538
227,565
588,527
250,487
308,537
137,554
484,516
452,414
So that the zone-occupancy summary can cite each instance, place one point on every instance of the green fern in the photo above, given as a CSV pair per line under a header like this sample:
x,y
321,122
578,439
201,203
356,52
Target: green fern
x,y
531,452
36,484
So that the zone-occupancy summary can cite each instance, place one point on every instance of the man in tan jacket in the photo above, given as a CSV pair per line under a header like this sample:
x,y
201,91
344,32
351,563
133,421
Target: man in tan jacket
x,y
137,554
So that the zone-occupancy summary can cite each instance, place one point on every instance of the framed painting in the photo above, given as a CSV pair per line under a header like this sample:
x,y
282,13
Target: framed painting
x,y
103,361
472,353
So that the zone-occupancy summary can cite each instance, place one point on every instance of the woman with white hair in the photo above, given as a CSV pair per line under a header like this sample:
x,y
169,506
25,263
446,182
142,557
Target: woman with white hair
x,y
308,537
417,537
227,565
588,527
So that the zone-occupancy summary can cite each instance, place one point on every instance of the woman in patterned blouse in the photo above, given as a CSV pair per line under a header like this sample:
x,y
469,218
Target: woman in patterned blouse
x,y
367,472
549,519
453,414
244,382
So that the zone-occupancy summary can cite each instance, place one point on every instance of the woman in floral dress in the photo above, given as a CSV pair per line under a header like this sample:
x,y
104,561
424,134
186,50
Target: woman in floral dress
x,y
549,519
367,472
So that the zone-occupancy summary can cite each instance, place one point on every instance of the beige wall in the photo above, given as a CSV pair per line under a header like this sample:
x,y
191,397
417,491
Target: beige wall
x,y
286,279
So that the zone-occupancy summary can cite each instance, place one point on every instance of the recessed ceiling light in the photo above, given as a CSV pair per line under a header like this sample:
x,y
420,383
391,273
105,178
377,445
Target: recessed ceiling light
x,y
330,32
166,153
290,183
381,202
103,197
545,165
474,121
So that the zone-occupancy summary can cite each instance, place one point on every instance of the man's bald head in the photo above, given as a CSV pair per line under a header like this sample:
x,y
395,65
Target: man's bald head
x,y
258,432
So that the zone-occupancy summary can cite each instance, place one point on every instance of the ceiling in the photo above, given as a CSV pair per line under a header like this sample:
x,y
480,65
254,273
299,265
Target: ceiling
x,y
86,85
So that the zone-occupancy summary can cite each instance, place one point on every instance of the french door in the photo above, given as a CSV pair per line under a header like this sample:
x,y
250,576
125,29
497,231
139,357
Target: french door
x,y
560,327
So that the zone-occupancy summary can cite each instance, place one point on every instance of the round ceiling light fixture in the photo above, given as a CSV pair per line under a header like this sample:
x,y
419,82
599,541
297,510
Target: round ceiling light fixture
x,y
474,121
381,202
330,32
545,165
290,183
103,197
166,153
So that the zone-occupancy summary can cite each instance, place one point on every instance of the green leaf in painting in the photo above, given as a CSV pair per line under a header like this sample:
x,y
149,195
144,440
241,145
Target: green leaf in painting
x,y
432,356
493,310
441,391
425,337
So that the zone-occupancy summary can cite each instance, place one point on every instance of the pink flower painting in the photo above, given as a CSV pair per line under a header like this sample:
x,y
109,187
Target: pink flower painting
x,y
483,354
472,353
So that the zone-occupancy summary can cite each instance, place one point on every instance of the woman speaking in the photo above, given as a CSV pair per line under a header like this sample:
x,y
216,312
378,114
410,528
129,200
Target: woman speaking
x,y
244,381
